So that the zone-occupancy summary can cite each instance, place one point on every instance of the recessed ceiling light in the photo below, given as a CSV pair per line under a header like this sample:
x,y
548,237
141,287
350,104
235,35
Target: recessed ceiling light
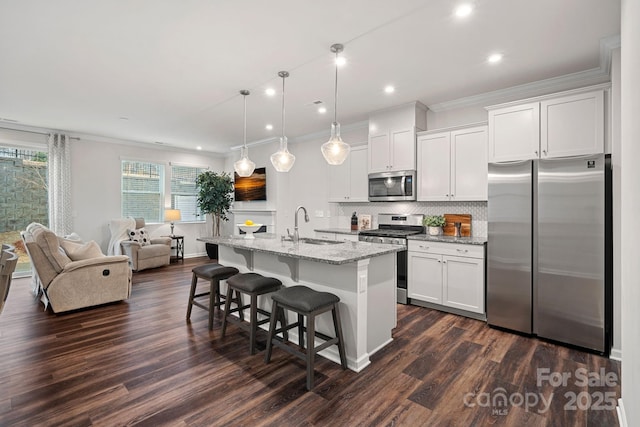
x,y
464,10
322,110
494,58
269,127
340,61
198,148
389,89
270,91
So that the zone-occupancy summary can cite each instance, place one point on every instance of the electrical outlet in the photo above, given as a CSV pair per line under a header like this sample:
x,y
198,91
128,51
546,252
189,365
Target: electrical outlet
x,y
319,214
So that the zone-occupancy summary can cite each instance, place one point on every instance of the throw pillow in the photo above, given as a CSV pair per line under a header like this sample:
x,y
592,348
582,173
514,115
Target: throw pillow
x,y
139,235
79,251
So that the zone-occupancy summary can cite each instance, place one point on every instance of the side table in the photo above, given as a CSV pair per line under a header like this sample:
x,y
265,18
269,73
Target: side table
x,y
178,241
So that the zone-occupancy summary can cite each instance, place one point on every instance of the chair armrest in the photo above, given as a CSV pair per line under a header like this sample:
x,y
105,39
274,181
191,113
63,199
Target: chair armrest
x,y
102,260
130,243
130,248
161,241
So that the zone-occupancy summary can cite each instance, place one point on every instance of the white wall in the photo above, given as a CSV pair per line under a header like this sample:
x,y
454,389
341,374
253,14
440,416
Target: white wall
x,y
95,190
630,203
456,117
614,135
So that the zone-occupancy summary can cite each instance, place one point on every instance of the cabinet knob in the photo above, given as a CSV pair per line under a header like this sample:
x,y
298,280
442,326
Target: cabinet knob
x,y
536,152
544,152
464,251
439,261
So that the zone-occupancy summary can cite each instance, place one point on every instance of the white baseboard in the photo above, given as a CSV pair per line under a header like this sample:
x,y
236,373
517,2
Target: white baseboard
x,y
622,417
195,255
616,354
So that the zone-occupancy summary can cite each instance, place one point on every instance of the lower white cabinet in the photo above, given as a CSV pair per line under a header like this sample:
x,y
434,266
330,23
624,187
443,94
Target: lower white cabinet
x,y
336,236
448,274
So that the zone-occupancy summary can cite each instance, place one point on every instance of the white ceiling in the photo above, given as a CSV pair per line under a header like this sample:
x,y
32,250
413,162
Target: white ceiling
x,y
174,68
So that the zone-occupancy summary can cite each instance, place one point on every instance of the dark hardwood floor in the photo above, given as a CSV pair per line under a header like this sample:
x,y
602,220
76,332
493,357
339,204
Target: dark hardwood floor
x,y
139,362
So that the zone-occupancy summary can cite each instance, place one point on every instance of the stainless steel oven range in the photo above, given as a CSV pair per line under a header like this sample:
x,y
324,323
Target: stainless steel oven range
x,y
394,229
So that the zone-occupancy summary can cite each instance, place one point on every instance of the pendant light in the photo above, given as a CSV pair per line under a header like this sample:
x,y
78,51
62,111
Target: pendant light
x,y
335,151
282,159
244,166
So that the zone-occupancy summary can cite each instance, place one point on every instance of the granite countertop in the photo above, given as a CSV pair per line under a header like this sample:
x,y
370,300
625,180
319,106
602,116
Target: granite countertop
x,y
340,253
449,239
338,231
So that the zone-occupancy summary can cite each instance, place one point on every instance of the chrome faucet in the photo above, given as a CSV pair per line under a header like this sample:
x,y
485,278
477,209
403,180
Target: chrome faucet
x,y
296,236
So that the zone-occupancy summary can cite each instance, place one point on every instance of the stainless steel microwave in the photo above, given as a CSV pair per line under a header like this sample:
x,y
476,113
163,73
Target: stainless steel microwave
x,y
392,186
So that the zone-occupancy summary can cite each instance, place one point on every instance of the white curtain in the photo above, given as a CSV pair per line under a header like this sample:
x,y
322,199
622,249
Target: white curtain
x,y
59,163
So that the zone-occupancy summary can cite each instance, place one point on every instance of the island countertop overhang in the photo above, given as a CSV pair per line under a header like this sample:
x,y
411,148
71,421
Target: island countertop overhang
x,y
340,253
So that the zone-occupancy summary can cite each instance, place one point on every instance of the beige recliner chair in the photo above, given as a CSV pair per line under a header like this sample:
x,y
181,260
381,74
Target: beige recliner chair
x,y
78,276
151,253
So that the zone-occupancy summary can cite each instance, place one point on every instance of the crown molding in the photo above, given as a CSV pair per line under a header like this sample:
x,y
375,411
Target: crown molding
x,y
590,77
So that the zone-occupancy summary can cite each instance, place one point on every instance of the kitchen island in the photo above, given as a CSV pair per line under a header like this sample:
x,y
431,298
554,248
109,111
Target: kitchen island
x,y
362,274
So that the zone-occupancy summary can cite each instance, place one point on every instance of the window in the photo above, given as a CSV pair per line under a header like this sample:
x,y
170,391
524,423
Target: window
x,y
23,197
184,192
143,190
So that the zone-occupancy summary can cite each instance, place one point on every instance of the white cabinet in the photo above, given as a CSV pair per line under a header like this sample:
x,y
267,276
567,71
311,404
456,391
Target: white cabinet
x,y
393,150
452,165
447,274
336,236
425,276
572,125
560,125
348,182
392,136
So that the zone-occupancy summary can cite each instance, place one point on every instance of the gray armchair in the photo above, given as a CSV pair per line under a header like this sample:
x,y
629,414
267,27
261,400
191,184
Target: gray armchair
x,y
155,252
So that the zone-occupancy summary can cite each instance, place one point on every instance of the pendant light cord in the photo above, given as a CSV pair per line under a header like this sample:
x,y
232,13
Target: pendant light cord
x,y
335,95
245,121
283,77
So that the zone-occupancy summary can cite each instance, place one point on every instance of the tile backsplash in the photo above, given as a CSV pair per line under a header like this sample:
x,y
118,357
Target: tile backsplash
x,y
341,212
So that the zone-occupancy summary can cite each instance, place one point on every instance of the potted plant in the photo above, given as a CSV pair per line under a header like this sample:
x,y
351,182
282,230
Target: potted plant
x,y
434,224
215,192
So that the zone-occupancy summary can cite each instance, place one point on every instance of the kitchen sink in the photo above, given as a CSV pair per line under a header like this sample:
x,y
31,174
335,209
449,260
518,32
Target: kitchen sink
x,y
311,241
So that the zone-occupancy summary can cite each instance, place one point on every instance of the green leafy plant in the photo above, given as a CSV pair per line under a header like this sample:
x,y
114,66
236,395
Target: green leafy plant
x,y
434,221
215,192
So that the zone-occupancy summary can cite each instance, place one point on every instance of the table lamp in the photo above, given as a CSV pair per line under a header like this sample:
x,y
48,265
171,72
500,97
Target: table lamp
x,y
172,215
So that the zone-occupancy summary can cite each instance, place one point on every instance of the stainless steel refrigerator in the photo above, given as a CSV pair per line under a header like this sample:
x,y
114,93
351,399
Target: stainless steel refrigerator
x,y
549,249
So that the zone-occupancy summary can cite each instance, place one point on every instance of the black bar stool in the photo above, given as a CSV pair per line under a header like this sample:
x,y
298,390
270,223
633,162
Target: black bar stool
x,y
214,273
252,284
305,302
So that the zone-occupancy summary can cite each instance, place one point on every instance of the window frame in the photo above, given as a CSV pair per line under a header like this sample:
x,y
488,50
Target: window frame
x,y
161,166
200,217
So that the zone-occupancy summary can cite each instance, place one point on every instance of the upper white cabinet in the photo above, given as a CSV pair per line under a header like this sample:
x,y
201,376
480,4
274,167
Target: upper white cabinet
x,y
514,133
560,125
392,137
572,125
348,182
452,164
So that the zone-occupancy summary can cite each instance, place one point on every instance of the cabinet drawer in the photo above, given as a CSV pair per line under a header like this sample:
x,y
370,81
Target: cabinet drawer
x,y
455,249
325,236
